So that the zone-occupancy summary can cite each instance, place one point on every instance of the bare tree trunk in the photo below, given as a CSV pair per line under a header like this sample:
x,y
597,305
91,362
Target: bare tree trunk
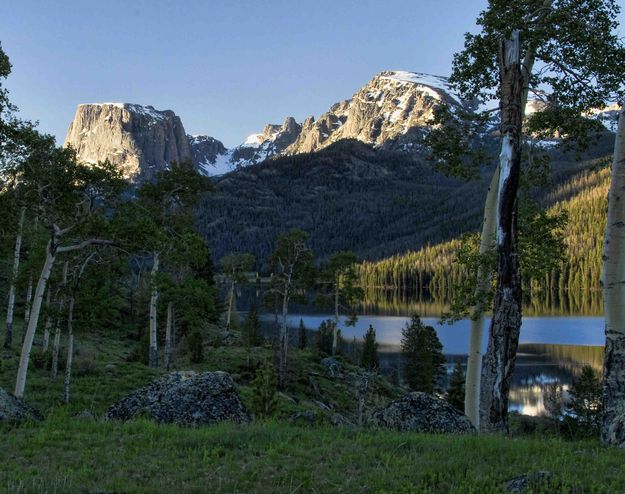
x,y
474,360
8,339
505,326
48,325
230,304
335,336
168,334
27,302
70,350
284,340
154,314
29,336
56,345
613,281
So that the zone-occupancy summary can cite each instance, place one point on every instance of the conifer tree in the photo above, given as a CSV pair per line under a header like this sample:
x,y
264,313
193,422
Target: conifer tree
x,y
370,360
455,393
302,336
423,357
251,328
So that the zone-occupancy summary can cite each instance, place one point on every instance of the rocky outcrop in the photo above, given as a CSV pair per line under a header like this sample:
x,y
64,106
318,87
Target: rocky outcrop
x,y
184,398
14,409
541,481
209,154
421,412
138,139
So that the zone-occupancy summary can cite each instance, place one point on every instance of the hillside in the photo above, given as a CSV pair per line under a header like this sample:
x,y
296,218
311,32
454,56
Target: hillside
x,y
574,284
352,196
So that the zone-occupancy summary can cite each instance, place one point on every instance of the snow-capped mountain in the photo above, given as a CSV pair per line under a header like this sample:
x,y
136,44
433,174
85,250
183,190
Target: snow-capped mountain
x,y
391,111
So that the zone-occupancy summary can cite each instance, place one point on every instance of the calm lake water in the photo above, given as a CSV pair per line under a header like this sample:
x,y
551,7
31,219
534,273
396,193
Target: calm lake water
x,y
552,348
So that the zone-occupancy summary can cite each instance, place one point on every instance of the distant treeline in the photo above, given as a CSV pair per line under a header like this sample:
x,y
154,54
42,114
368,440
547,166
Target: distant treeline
x,y
433,272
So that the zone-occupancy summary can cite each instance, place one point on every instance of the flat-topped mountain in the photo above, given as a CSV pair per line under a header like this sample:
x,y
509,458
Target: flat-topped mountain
x,y
139,139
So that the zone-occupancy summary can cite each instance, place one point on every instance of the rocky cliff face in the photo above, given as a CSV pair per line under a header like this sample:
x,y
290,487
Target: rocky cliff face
x,y
391,106
139,139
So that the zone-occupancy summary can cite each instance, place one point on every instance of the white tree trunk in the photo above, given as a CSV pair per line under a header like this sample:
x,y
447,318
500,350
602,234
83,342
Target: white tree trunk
x,y
56,345
474,358
230,304
335,336
48,325
70,350
8,339
613,278
284,339
27,303
154,314
29,336
168,335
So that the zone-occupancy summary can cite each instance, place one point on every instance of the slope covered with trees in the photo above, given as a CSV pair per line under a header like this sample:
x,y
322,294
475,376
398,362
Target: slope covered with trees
x,y
433,271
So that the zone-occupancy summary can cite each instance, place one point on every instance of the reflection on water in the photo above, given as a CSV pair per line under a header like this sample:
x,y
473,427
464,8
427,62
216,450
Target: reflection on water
x,y
394,301
551,349
560,334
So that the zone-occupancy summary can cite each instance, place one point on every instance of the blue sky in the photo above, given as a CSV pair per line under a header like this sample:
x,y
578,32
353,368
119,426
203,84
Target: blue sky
x,y
225,67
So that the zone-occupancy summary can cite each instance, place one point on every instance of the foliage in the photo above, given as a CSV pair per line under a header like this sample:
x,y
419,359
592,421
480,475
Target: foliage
x,y
302,336
339,285
264,388
251,330
370,360
586,405
324,337
455,392
423,357
195,341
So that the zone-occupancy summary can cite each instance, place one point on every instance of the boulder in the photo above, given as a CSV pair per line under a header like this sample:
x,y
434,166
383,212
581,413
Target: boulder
x,y
541,481
332,365
421,412
184,398
14,409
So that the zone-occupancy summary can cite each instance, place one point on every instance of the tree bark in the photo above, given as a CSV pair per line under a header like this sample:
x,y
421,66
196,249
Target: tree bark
x,y
70,350
505,325
47,326
230,304
8,338
284,340
613,281
153,359
335,336
29,336
27,303
474,358
168,335
56,344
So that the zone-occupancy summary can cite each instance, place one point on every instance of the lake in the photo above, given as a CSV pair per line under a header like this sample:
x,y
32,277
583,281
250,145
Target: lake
x,y
552,348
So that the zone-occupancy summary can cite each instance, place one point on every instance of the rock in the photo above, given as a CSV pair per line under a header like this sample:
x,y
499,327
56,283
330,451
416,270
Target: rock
x,y
85,415
185,398
421,412
534,480
308,417
14,409
138,139
333,366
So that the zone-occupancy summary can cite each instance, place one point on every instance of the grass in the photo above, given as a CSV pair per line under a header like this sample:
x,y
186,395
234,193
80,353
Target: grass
x,y
66,454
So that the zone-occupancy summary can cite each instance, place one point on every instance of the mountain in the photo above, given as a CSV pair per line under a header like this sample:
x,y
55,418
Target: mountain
x,y
139,139
353,196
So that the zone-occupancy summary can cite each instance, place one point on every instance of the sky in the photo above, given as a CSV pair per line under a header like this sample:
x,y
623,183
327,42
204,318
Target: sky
x,y
226,67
